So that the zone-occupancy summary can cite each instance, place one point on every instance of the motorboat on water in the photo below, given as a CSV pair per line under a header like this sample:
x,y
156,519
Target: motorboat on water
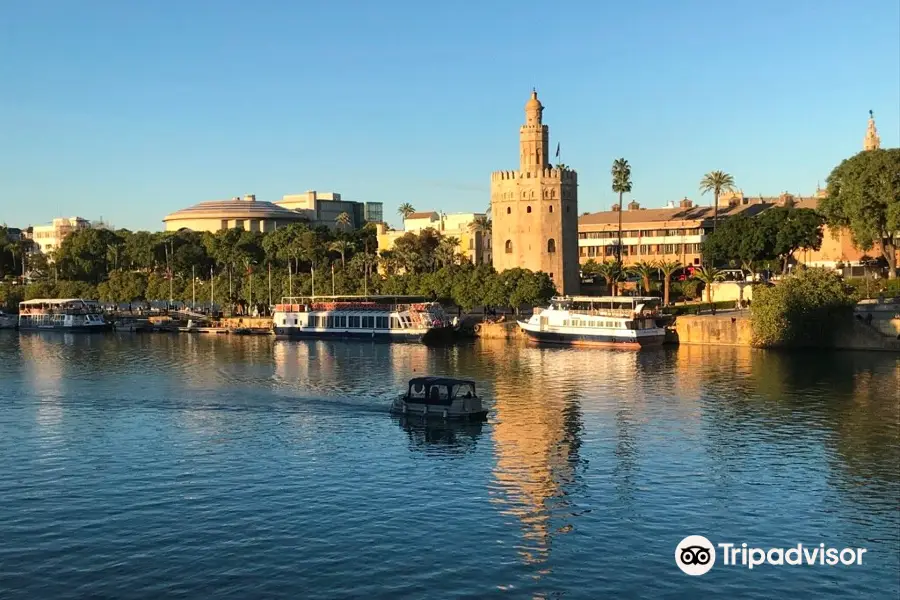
x,y
440,397
65,314
616,321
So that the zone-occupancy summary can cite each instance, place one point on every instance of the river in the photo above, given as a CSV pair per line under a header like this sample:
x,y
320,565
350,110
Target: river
x,y
154,466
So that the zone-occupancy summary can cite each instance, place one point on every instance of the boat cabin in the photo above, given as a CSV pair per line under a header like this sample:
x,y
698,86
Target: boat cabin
x,y
622,306
440,391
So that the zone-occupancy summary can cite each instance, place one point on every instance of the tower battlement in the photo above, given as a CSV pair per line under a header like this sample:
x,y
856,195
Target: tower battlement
x,y
550,173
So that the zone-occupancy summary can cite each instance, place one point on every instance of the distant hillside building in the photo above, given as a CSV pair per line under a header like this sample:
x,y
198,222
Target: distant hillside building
x,y
535,209
323,208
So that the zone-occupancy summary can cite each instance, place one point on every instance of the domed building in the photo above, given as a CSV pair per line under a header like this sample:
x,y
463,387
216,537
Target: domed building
x,y
247,213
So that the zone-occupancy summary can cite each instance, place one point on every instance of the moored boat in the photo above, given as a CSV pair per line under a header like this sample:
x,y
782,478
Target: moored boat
x,y
66,314
617,321
440,397
390,318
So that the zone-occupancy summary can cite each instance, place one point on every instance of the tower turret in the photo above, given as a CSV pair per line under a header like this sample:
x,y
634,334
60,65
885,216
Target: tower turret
x,y
872,141
534,137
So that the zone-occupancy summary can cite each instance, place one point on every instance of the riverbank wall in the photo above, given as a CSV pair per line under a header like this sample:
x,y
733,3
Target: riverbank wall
x,y
733,329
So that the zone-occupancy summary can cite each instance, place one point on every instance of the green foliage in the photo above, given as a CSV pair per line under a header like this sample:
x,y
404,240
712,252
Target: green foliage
x,y
872,288
804,309
667,268
716,182
645,271
694,309
864,196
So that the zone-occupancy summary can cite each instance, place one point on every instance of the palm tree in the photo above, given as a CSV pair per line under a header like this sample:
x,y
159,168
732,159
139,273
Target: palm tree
x,y
708,275
611,271
621,184
406,209
341,247
716,182
481,224
343,220
668,268
644,270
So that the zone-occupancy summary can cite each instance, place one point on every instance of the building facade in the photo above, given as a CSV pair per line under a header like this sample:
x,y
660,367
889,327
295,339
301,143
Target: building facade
x,y
323,208
473,244
48,238
247,213
535,209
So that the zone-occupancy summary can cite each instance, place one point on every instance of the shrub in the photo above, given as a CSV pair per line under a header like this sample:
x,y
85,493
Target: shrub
x,y
805,309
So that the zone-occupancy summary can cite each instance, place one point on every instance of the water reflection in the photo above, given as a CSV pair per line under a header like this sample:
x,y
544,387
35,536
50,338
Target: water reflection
x,y
447,438
537,437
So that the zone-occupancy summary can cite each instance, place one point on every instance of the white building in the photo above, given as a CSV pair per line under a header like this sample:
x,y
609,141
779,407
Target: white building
x,y
48,238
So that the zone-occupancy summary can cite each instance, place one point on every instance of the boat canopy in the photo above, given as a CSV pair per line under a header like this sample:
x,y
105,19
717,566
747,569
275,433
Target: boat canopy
x,y
623,300
439,390
40,301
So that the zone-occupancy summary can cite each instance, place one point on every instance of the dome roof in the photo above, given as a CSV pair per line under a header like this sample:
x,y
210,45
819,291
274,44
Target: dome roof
x,y
533,102
236,209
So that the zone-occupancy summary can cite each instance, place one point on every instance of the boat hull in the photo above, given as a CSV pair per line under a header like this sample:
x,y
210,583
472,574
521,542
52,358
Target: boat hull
x,y
437,413
594,339
431,336
103,328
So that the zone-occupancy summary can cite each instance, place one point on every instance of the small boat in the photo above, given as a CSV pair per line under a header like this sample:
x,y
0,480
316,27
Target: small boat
x,y
440,397
614,321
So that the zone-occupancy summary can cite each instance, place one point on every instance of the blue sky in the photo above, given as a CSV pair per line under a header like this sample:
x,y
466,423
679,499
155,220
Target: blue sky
x,y
131,110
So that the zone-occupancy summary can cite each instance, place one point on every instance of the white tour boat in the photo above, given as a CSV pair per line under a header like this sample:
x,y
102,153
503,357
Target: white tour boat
x,y
440,397
621,321
391,318
67,314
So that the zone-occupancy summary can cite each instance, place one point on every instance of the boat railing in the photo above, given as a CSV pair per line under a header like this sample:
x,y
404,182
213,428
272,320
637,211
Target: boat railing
x,y
609,312
354,306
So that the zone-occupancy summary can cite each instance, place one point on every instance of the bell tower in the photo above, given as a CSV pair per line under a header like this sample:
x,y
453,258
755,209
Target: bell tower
x,y
872,141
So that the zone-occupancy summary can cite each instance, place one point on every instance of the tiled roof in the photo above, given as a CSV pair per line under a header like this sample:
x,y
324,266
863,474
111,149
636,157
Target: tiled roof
x,y
666,215
422,215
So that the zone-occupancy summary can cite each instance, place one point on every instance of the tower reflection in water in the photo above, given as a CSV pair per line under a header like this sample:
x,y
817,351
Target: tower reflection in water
x,y
538,399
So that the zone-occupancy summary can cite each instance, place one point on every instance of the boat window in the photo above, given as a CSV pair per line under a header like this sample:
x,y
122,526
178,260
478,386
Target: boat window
x,y
353,321
368,322
439,392
417,391
381,322
463,390
395,323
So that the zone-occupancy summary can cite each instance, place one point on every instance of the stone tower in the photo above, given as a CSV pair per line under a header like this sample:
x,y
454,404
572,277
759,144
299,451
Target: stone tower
x,y
872,141
535,209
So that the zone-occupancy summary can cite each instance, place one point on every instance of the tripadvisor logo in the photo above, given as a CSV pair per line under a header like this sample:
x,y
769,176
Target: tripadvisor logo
x,y
696,555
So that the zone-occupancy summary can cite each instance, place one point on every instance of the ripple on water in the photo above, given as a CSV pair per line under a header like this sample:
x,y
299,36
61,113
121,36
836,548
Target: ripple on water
x,y
152,466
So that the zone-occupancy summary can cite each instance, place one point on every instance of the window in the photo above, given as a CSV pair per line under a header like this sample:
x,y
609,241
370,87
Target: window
x,y
509,246
551,247
508,210
395,323
551,275
551,208
368,322
528,210
381,322
353,321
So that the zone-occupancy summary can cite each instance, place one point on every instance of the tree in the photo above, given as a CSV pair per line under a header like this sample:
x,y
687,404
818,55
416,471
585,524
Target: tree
x,y
445,253
621,184
341,247
84,254
406,209
708,275
716,182
343,220
644,270
864,196
744,239
668,268
611,271
789,230
482,224
804,309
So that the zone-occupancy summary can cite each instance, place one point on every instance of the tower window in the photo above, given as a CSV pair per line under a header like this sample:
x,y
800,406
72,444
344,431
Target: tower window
x,y
551,246
551,208
508,210
528,209
509,246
